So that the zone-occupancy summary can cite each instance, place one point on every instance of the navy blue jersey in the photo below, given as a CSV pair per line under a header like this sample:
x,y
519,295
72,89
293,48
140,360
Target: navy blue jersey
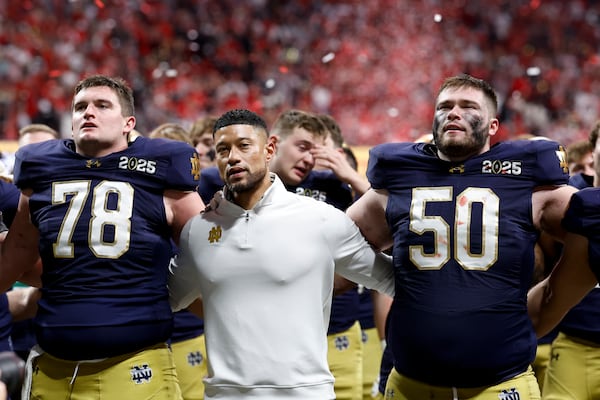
x,y
385,368
327,187
5,324
365,309
583,320
581,181
9,201
105,242
210,183
583,218
387,361
186,325
464,255
344,311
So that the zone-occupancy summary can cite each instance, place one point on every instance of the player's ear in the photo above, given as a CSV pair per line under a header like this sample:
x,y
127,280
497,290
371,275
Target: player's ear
x,y
270,147
494,125
129,124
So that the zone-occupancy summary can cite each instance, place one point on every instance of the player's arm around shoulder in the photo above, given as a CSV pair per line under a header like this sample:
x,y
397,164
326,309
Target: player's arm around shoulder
x,y
549,205
355,259
20,253
180,207
570,280
368,213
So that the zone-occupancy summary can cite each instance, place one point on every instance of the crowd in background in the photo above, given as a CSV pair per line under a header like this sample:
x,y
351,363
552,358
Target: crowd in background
x,y
373,65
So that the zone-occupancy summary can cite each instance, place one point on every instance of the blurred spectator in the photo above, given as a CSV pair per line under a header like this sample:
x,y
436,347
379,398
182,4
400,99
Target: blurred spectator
x,y
372,65
35,133
171,130
201,134
581,159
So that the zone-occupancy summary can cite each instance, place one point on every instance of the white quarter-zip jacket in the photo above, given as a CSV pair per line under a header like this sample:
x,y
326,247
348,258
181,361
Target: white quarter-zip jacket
x,y
266,279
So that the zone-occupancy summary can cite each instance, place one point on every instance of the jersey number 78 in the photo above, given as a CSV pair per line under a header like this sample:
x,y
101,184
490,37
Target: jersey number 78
x,y
100,216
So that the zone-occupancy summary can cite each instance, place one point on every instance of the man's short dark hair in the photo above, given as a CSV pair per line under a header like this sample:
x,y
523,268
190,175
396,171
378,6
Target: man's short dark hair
x,y
117,84
240,117
466,80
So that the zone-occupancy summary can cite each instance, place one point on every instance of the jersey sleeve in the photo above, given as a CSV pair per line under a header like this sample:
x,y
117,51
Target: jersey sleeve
x,y
551,167
33,163
183,172
382,163
210,183
582,216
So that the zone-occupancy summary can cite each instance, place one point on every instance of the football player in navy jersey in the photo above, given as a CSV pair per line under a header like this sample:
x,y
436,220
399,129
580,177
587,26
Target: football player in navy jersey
x,y
462,219
574,366
574,276
101,212
581,162
337,177
305,143
202,139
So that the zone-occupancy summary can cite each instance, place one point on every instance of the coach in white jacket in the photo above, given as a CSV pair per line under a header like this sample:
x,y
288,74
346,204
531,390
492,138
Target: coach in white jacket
x,y
263,260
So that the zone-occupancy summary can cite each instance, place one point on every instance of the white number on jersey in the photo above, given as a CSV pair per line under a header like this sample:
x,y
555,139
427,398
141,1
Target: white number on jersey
x,y
421,223
100,217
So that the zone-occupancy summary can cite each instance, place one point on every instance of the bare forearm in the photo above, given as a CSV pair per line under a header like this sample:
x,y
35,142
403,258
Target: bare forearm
x,y
543,321
197,308
359,184
569,282
22,303
341,285
19,264
381,309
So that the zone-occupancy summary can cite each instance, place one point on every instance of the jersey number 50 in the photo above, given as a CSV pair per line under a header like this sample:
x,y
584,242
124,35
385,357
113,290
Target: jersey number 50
x,y
100,217
461,239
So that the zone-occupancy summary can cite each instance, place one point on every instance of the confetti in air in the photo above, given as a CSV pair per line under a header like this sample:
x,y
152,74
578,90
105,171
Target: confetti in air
x,y
533,71
327,58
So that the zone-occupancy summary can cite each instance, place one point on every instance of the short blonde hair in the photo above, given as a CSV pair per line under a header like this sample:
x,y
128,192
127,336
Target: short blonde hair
x,y
288,120
171,130
200,127
32,128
